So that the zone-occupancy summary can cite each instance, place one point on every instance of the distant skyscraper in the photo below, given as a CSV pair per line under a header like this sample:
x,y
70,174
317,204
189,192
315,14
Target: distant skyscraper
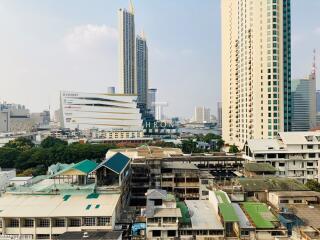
x,y
219,109
111,90
202,115
151,100
128,83
303,104
142,71
256,69
159,110
318,100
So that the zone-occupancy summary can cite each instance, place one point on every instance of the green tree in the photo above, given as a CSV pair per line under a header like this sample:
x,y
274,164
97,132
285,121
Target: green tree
x,y
51,142
189,146
8,157
233,149
313,185
20,143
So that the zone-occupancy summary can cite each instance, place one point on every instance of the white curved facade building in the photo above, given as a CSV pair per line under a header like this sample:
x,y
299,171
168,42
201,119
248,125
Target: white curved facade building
x,y
108,112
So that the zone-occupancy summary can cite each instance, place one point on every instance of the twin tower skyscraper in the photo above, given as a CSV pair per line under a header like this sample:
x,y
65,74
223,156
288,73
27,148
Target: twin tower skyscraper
x,y
133,58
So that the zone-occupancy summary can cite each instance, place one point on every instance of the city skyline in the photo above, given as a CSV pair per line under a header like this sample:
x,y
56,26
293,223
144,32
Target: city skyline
x,y
77,50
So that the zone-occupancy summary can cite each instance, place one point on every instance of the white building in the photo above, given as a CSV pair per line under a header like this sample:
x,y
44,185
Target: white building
x,y
5,177
202,115
294,154
151,99
107,112
127,72
159,114
256,69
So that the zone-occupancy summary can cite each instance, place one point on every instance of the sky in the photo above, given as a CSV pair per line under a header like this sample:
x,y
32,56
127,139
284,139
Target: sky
x,y
52,45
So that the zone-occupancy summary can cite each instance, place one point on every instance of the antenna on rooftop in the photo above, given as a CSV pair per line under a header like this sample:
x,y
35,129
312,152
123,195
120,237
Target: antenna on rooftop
x,y
314,67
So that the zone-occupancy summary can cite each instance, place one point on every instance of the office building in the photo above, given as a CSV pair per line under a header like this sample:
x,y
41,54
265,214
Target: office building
x,y
256,69
127,71
142,71
151,99
111,90
202,115
108,112
318,100
159,114
294,154
219,120
303,104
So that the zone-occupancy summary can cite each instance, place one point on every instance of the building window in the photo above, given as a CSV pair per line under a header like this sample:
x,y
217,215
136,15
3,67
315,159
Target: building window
x,y
297,201
13,223
312,155
310,146
104,221
89,221
156,233
74,222
171,233
43,222
284,201
28,223
43,236
59,222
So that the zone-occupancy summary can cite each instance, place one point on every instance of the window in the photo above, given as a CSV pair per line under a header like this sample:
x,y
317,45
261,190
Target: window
x,y
13,223
43,236
205,193
59,222
312,155
297,201
74,222
281,164
104,221
28,223
310,146
156,233
89,221
43,222
310,164
171,233
284,201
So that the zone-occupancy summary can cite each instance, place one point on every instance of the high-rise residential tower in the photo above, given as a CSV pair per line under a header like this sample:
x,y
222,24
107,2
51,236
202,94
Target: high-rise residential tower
x,y
151,101
142,71
201,115
127,72
256,69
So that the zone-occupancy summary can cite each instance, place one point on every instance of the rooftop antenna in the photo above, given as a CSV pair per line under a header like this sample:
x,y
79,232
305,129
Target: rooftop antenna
x,y
314,67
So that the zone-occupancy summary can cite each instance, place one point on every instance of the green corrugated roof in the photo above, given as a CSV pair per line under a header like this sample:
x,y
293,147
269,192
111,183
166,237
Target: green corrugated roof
x,y
85,166
222,197
259,167
184,212
228,213
93,195
116,163
260,214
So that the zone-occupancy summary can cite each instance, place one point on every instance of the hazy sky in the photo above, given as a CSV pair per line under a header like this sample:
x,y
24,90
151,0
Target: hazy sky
x,y
52,45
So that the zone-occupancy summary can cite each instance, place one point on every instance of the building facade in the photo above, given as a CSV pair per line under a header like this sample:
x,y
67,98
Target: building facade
x,y
109,112
256,69
142,71
303,104
128,83
151,99
294,154
202,115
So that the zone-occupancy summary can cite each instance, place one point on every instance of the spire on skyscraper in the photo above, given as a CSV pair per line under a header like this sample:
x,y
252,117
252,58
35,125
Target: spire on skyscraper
x,y
131,7
313,74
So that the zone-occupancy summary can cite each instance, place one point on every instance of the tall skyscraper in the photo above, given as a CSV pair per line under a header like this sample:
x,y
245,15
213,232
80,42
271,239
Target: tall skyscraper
x,y
127,73
303,104
151,101
256,69
142,71
201,115
219,109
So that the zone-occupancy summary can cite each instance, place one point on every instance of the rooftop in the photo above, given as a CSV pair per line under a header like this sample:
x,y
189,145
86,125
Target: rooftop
x,y
179,165
222,197
228,213
185,216
203,215
58,205
259,167
260,215
167,212
243,219
308,214
297,194
82,168
271,184
116,163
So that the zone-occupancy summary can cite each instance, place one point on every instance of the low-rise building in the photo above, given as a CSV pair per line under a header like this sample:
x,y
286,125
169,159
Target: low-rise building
x,y
259,169
162,215
293,154
5,176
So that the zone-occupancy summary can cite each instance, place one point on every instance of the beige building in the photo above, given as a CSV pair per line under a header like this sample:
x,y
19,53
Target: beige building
x,y
256,69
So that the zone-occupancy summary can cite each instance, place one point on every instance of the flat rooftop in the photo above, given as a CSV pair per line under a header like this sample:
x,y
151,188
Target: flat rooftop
x,y
203,215
259,167
271,184
243,219
179,165
296,194
25,206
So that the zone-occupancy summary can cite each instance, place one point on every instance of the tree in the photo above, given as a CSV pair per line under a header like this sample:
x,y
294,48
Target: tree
x,y
8,157
20,143
51,141
313,185
189,146
233,149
